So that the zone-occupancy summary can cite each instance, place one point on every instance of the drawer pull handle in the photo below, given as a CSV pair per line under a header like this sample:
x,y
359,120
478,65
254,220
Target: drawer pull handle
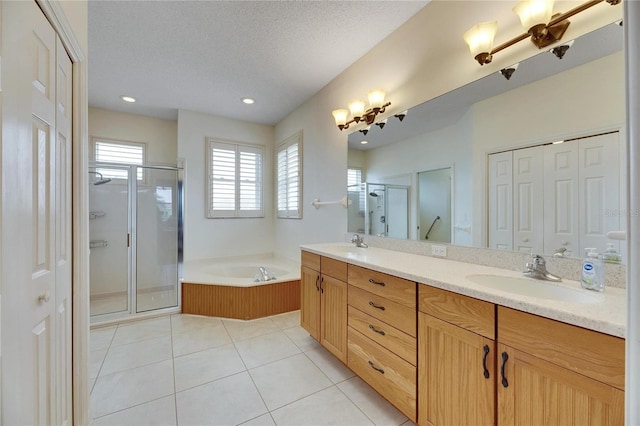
x,y
484,361
317,279
376,306
505,357
376,330
372,281
379,370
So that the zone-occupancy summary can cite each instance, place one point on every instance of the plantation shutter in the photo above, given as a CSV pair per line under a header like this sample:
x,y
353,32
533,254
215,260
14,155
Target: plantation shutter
x,y
118,152
289,191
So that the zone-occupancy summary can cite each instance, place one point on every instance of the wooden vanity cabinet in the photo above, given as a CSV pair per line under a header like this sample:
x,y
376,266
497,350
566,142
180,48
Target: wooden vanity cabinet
x,y
324,302
382,335
552,373
456,359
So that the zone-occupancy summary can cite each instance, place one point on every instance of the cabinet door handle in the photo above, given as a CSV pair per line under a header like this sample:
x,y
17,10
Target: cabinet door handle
x,y
376,306
379,370
317,286
376,330
321,282
484,361
505,357
372,281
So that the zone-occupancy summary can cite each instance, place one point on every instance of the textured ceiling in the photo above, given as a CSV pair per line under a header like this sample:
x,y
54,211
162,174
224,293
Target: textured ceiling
x,y
207,55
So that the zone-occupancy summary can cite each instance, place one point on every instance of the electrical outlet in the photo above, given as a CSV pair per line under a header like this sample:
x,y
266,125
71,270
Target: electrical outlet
x,y
438,250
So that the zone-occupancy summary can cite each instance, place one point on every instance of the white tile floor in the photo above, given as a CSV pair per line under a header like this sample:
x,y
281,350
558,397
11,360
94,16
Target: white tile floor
x,y
191,370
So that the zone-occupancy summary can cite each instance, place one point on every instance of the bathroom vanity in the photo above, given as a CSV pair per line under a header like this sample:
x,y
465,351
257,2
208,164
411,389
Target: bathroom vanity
x,y
445,345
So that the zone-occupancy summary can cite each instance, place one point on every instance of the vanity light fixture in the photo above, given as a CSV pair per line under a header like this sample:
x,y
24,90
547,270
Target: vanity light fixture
x,y
365,130
560,51
542,27
377,106
508,72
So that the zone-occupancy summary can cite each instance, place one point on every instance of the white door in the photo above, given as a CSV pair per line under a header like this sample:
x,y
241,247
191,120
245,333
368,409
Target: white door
x,y
561,197
528,200
599,170
36,220
500,201
397,216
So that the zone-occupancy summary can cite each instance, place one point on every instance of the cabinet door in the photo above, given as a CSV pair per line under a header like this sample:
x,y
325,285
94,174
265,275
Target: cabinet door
x,y
536,392
310,301
456,375
333,328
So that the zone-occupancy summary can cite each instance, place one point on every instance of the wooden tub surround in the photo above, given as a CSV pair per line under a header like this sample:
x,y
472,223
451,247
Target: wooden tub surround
x,y
244,303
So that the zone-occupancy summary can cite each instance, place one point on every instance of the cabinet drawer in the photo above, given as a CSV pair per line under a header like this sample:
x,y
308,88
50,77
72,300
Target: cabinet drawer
x,y
394,314
333,268
385,335
583,351
465,312
393,288
393,377
310,260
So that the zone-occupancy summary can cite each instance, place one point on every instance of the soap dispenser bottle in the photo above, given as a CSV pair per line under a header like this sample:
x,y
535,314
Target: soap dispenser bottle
x,y
592,271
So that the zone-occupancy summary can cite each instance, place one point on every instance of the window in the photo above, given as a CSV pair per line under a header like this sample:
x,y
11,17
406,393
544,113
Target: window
x,y
354,184
234,180
111,151
289,180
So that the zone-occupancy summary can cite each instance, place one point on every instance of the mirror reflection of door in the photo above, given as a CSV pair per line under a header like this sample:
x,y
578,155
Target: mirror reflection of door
x,y
397,212
434,205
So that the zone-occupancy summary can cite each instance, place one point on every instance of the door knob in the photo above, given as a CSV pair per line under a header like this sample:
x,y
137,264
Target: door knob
x,y
44,297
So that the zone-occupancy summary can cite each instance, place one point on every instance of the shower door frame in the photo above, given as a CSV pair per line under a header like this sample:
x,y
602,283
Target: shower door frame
x,y
132,265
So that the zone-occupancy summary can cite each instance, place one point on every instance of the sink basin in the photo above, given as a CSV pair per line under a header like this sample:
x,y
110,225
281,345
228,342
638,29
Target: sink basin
x,y
535,288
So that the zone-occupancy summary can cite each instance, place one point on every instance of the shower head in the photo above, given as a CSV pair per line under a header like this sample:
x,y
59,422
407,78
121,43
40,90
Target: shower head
x,y
101,179
373,194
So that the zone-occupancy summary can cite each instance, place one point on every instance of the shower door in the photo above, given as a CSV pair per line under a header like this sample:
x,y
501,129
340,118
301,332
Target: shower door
x,y
156,238
136,233
109,231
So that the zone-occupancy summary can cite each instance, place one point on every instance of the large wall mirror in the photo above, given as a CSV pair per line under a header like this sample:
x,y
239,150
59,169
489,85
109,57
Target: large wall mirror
x,y
534,163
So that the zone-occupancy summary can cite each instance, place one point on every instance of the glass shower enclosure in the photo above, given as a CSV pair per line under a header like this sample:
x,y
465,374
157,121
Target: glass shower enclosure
x,y
135,230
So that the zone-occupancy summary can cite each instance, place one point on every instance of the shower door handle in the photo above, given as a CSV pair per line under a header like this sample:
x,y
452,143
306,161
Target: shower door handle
x,y
128,239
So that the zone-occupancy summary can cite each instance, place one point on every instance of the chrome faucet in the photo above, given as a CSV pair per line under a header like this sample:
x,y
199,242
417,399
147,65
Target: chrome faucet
x,y
538,269
358,241
265,273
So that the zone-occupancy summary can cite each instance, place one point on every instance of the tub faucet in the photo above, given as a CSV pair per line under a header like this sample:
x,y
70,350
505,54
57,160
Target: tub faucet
x,y
358,241
538,269
264,273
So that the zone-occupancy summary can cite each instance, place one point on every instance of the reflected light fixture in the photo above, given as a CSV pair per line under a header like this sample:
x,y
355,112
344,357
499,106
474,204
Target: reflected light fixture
x,y
542,27
560,51
365,130
128,99
508,72
401,115
377,106
381,123
364,142
247,101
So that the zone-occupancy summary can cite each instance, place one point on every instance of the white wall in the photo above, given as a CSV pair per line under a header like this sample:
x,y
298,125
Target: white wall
x,y
161,136
207,238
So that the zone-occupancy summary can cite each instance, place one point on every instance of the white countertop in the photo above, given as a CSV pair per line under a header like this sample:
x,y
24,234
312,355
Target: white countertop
x,y
606,314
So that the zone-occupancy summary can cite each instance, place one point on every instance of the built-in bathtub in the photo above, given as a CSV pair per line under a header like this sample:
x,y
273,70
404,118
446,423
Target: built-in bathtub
x,y
232,287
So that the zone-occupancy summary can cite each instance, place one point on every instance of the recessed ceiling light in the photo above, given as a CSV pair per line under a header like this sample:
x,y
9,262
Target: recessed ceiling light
x,y
248,101
128,99
557,142
364,142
